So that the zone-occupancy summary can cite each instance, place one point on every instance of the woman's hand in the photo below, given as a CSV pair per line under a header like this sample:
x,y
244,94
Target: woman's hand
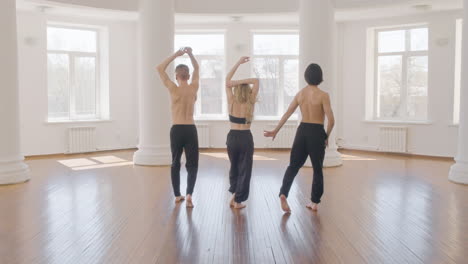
x,y
229,84
271,134
244,59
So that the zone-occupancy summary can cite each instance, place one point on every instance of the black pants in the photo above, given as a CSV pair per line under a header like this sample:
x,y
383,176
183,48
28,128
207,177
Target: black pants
x,y
309,141
184,138
240,147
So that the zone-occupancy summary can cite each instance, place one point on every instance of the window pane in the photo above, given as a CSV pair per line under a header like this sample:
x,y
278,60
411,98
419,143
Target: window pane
x,y
65,39
202,44
392,41
58,86
389,86
417,87
419,39
211,86
267,70
291,81
276,44
85,87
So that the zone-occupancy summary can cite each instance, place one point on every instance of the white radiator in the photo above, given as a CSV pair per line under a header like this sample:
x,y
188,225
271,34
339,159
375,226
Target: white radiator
x,y
203,135
81,139
393,139
284,139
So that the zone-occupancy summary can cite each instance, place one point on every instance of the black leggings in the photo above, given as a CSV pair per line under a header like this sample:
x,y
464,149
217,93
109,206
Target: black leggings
x,y
240,147
309,141
184,138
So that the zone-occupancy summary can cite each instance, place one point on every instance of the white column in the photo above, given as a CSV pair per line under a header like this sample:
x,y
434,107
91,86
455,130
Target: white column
x,y
156,37
317,45
12,167
459,171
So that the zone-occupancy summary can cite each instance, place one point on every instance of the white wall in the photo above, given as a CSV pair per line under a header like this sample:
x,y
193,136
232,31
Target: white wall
x,y
436,139
37,136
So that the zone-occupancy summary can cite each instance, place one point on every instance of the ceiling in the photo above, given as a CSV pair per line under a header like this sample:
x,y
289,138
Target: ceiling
x,y
230,6
345,9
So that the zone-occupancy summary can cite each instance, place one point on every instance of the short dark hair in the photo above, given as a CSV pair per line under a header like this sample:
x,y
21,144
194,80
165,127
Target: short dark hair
x,y
182,66
313,74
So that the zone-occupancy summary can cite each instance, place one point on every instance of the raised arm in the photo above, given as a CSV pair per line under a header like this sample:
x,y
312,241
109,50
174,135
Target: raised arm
x,y
291,109
252,81
196,67
229,82
161,68
329,114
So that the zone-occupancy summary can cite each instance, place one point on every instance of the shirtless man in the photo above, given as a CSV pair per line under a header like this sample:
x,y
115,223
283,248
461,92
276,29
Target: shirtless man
x,y
183,135
311,138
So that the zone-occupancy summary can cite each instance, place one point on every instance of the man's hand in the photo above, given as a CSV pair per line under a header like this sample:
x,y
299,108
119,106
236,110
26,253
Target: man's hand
x,y
188,50
244,59
326,143
271,134
180,52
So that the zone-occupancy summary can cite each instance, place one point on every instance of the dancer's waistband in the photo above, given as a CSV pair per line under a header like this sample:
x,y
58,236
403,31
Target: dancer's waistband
x,y
183,125
240,131
314,125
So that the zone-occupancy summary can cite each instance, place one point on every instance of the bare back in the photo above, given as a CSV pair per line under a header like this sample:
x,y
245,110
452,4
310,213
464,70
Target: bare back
x,y
311,102
183,100
239,110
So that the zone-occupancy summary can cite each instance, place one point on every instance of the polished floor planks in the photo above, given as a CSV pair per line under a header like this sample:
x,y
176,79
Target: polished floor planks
x,y
99,208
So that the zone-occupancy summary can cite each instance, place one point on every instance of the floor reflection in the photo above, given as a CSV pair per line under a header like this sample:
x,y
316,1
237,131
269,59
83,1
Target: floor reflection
x,y
224,156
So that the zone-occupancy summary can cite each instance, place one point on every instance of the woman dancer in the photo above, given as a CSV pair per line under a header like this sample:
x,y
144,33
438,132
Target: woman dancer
x,y
311,138
241,96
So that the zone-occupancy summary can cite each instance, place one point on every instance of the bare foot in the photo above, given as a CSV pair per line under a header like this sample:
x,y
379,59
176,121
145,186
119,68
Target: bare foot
x,y
232,202
189,202
179,199
312,206
239,205
284,204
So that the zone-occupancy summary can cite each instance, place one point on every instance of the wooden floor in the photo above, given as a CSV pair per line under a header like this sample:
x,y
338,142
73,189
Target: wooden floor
x,y
101,209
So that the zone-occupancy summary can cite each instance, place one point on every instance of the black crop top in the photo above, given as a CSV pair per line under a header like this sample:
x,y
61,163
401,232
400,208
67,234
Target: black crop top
x,y
238,120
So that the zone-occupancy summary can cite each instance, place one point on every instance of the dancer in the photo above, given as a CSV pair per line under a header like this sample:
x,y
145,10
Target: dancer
x,y
183,134
241,96
311,138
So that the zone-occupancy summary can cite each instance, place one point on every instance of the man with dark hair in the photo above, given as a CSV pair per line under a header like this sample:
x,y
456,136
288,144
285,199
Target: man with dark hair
x,y
311,138
183,135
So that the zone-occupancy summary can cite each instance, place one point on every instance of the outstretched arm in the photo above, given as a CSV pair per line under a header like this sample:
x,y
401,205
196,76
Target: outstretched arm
x,y
292,108
329,114
196,67
163,66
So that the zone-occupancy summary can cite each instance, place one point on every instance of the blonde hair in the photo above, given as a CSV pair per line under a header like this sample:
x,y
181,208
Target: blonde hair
x,y
243,95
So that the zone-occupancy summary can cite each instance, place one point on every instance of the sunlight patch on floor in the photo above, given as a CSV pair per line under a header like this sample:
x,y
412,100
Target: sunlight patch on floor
x,y
95,163
355,158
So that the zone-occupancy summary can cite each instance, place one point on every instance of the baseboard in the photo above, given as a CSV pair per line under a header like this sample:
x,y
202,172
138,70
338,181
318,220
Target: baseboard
x,y
370,149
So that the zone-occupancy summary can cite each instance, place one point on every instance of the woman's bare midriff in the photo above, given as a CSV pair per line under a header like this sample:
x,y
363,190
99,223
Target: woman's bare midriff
x,y
240,126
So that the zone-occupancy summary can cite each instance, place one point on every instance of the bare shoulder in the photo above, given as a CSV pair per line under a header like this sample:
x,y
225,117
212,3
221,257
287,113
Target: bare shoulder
x,y
300,95
324,95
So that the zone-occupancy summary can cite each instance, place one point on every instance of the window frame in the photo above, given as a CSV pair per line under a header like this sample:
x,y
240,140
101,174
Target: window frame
x,y
198,115
72,55
281,109
405,55
458,71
